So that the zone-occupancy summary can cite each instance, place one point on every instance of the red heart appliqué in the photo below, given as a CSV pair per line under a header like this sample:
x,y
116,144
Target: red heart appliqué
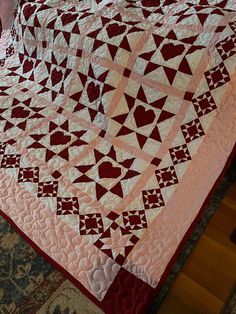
x,y
93,91
115,30
27,66
107,170
170,51
149,3
143,117
68,18
20,112
29,10
56,76
59,138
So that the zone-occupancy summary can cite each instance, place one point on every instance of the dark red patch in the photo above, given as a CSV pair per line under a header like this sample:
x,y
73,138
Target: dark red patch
x,y
170,51
56,77
143,117
115,30
20,112
107,170
68,18
27,66
59,138
93,91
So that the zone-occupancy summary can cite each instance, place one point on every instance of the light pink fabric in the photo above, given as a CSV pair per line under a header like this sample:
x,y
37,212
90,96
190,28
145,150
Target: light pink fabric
x,y
7,8
7,34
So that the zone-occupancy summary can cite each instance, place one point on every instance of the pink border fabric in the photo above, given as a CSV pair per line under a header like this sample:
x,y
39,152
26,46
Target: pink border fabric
x,y
7,9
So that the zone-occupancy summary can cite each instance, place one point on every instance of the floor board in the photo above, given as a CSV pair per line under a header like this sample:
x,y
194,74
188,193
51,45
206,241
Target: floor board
x,y
207,277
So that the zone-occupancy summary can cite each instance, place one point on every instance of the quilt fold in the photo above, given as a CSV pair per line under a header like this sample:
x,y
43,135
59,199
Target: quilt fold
x,y
117,121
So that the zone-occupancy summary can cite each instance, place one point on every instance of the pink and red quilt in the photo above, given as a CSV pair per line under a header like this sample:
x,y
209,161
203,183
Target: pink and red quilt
x,y
117,119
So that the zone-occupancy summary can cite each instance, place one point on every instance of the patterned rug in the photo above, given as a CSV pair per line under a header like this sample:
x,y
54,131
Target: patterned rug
x,y
29,284
230,304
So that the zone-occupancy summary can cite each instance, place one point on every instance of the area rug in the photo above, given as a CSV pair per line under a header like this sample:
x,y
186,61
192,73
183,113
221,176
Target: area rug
x,y
117,123
230,305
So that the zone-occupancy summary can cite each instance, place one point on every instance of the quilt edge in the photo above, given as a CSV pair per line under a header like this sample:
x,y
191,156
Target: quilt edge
x,y
150,296
193,225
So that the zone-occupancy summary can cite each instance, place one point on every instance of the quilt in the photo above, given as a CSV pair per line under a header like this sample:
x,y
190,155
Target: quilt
x,y
117,121
7,34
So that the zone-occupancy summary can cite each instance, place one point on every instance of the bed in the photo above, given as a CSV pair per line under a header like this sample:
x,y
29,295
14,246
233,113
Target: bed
x,y
117,122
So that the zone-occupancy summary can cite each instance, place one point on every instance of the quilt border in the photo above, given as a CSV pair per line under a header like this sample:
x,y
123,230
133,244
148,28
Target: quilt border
x,y
106,304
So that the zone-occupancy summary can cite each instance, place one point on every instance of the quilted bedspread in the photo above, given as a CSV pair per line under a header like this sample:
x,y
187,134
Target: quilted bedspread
x,y
117,118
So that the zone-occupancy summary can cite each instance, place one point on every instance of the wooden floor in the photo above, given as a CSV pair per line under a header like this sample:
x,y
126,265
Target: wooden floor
x,y
207,277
